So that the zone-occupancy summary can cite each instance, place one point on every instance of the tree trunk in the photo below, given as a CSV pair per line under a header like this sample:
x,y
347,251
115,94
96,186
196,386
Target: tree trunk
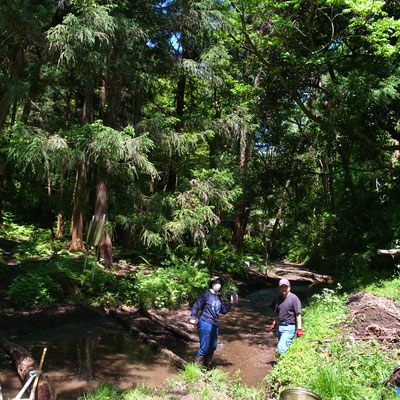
x,y
87,109
246,146
277,219
24,363
77,214
216,141
348,180
137,106
180,103
239,227
33,90
115,99
127,237
60,226
331,184
16,72
99,210
102,98
168,326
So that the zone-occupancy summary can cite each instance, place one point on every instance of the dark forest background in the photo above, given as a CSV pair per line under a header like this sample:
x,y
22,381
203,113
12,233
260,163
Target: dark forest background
x,y
210,131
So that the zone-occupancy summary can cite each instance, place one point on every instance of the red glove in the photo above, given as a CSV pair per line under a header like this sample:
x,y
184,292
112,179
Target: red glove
x,y
299,332
272,326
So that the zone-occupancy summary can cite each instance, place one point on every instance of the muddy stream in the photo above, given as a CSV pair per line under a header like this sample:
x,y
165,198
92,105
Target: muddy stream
x,y
86,352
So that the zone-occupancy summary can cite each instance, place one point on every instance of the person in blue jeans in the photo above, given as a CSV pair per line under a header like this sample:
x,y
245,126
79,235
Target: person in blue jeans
x,y
287,317
210,305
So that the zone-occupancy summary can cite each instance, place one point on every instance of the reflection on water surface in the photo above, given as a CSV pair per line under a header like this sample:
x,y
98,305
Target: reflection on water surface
x,y
82,355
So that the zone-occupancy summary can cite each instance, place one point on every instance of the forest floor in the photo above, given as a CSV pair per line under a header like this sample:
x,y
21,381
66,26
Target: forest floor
x,y
245,343
246,347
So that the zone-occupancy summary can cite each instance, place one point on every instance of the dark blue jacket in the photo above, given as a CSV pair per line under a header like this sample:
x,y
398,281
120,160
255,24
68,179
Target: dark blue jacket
x,y
209,305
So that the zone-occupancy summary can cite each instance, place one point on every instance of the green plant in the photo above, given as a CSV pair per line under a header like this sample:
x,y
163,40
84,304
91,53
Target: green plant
x,y
33,289
191,372
104,392
170,286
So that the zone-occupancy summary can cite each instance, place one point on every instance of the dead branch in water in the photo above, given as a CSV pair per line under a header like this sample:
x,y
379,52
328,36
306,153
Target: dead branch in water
x,y
174,358
169,327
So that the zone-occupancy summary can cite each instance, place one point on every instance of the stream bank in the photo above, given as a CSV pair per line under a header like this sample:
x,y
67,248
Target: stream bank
x,y
86,346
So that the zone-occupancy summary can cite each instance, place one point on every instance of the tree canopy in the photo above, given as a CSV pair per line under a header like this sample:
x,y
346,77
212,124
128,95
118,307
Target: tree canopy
x,y
200,127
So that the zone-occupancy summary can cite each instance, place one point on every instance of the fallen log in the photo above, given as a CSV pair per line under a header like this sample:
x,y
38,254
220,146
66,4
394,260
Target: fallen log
x,y
166,325
391,252
168,354
24,363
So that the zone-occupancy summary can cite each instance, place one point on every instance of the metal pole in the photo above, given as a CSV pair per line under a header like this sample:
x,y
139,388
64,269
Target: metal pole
x,y
98,248
87,245
28,382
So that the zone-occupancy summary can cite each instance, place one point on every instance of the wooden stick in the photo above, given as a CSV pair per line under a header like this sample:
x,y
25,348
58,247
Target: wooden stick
x,y
32,394
360,338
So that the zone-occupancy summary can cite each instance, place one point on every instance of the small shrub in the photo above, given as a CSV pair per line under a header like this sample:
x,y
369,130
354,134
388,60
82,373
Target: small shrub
x,y
191,372
33,289
104,392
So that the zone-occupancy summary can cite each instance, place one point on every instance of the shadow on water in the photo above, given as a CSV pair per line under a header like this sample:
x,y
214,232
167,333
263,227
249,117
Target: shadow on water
x,y
82,355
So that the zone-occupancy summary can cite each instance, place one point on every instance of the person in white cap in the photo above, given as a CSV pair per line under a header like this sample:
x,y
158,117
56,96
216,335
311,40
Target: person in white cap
x,y
210,305
287,317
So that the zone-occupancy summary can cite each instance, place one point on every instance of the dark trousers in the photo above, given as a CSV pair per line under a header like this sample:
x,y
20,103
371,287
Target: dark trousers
x,y
208,335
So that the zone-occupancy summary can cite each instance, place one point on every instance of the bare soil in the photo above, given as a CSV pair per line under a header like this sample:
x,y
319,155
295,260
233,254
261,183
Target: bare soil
x,y
373,316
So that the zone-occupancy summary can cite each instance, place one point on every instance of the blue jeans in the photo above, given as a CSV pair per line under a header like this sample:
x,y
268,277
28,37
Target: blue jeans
x,y
286,336
208,335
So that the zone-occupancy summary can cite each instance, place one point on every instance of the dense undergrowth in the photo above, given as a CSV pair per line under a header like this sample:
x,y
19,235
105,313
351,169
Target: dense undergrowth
x,y
44,272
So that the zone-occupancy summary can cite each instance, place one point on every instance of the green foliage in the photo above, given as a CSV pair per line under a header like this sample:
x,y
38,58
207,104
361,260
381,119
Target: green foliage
x,y
33,289
385,287
79,37
191,373
103,392
192,381
180,280
15,231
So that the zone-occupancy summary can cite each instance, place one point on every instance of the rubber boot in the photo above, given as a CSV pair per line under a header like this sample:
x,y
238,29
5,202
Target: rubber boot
x,y
199,360
207,362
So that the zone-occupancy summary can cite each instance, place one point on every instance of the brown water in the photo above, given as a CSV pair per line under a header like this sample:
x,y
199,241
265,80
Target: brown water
x,y
82,355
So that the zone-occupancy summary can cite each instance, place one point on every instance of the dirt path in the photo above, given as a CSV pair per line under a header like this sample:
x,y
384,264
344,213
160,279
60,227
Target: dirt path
x,y
245,344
